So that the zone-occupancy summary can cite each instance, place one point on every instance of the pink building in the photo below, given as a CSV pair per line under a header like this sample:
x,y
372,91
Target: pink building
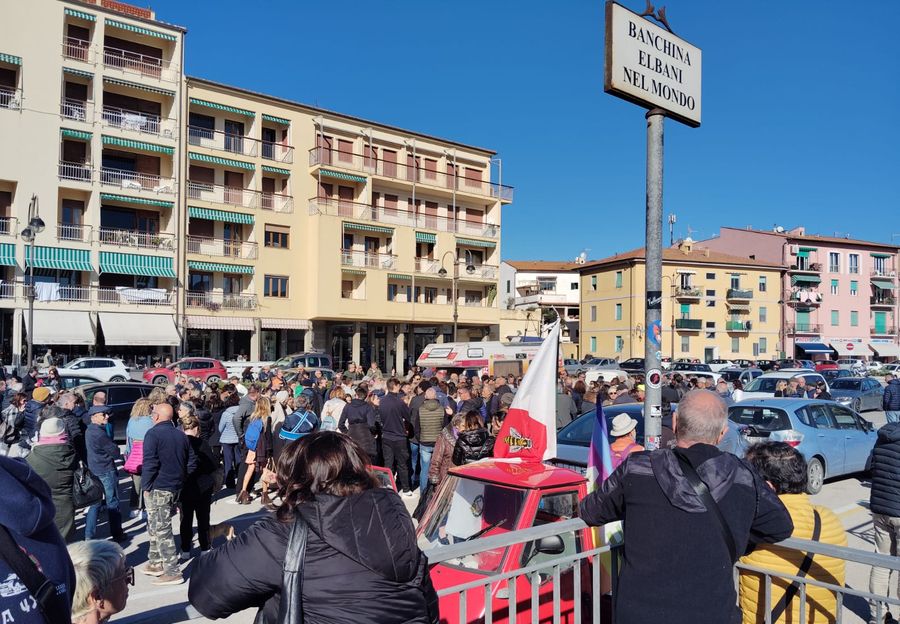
x,y
839,294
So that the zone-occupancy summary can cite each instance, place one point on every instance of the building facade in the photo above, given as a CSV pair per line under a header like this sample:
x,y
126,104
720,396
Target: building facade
x,y
839,294
714,305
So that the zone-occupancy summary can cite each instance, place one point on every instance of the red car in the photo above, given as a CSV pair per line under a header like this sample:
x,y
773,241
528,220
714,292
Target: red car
x,y
826,365
204,369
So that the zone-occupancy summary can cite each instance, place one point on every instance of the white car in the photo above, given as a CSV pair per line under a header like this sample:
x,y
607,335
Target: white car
x,y
716,366
874,365
893,368
763,387
604,375
104,369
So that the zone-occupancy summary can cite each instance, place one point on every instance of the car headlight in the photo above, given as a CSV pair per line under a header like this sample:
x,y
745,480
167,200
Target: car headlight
x,y
842,399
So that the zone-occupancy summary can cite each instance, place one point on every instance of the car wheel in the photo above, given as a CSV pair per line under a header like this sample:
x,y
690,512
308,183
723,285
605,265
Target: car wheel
x,y
815,473
857,406
160,380
212,379
117,378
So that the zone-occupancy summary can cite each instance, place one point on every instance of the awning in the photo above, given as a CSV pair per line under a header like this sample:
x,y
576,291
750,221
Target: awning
x,y
223,107
62,327
135,264
328,173
274,119
81,135
195,212
426,237
805,279
813,347
139,329
138,86
227,162
880,255
230,323
7,254
136,200
219,267
80,15
848,347
471,242
12,59
138,145
400,277
140,30
273,323
59,258
365,227
685,272
353,271
885,349
78,72
809,248
278,170
883,284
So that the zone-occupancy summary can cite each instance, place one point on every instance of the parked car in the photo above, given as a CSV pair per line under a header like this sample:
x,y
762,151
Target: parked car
x,y
765,365
745,375
665,362
315,359
120,398
102,368
717,365
857,366
572,367
605,374
68,381
596,362
893,368
635,365
205,369
787,363
858,393
873,365
291,373
836,373
683,367
807,364
833,439
740,363
764,386
824,365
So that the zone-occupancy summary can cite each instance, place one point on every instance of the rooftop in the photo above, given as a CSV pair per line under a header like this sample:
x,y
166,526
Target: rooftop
x,y
673,255
799,235
130,10
543,265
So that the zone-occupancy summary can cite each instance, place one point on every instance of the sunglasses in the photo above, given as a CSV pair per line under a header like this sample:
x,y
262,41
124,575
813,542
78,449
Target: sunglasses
x,y
128,576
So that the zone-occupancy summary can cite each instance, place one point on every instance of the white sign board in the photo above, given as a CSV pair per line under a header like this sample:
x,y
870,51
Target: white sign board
x,y
648,65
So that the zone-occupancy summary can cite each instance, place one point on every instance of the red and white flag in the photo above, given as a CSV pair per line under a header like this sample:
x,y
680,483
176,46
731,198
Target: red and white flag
x,y
529,431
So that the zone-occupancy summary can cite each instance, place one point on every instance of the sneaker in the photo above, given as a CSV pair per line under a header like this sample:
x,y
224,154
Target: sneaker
x,y
153,569
134,513
169,579
407,494
185,555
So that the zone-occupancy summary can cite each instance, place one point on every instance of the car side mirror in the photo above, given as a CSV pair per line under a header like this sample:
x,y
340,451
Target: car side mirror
x,y
550,545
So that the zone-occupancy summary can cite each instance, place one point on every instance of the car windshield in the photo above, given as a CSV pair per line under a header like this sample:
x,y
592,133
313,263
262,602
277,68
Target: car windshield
x,y
763,384
284,362
760,418
846,384
462,509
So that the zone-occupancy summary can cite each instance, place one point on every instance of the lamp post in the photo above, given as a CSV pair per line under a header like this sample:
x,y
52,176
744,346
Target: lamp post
x,y
35,226
470,269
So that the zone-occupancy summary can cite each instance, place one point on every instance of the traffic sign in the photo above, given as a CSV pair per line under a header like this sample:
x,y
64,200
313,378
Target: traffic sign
x,y
654,378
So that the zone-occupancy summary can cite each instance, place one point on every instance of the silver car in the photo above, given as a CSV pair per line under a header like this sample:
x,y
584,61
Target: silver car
x,y
857,393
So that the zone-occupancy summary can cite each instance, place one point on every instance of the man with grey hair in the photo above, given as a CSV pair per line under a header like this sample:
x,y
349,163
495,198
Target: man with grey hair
x,y
670,522
74,425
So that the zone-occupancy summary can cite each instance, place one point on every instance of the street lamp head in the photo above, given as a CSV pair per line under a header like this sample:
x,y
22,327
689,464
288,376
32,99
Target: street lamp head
x,y
470,268
36,224
28,235
442,272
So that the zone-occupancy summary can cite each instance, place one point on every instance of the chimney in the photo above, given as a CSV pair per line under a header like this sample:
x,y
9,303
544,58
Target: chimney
x,y
706,252
686,245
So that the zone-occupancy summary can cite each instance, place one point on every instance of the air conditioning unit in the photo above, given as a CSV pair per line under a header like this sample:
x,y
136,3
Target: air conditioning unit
x,y
795,249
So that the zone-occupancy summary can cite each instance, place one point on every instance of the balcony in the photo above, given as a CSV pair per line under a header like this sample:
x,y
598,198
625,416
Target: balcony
x,y
882,301
885,273
222,248
123,295
7,290
135,181
80,172
226,195
883,331
481,272
688,292
76,110
214,302
134,121
417,175
73,232
542,299
797,329
277,152
735,294
391,216
136,239
8,227
77,49
689,324
142,65
10,98
805,298
367,260
59,292
427,266
223,141
803,265
276,202
738,326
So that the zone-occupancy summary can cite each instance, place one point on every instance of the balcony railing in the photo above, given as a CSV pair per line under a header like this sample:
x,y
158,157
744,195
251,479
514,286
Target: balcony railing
x,y
805,297
277,152
76,110
738,326
414,174
883,300
10,98
213,301
369,260
81,172
58,292
689,324
481,272
804,328
392,216
427,265
227,195
473,303
276,202
73,232
883,331
7,290
122,295
140,64
8,226
736,293
225,141
688,292
135,238
883,273
144,123
134,181
77,49
222,248
803,265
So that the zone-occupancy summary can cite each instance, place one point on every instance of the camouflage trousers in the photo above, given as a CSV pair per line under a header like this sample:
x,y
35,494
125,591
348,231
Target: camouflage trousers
x,y
159,505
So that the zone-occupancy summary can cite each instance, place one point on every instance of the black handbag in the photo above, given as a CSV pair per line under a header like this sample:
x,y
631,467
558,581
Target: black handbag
x,y
290,610
87,489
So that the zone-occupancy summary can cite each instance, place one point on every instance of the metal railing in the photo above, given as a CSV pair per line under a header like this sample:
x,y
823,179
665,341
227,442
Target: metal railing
x,y
688,293
135,181
73,232
883,300
8,226
144,123
78,294
225,141
883,273
806,297
222,248
887,330
473,303
214,301
689,324
76,110
276,202
737,293
135,238
803,264
416,173
141,64
81,172
77,49
427,265
135,296
10,98
481,271
277,152
366,259
119,295
7,290
737,326
804,328
226,195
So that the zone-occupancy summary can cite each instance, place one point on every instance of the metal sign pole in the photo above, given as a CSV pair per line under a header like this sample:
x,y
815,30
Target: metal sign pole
x,y
653,275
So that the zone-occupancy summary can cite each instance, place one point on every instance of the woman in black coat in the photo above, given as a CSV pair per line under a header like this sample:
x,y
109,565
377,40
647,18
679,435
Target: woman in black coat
x,y
361,562
474,441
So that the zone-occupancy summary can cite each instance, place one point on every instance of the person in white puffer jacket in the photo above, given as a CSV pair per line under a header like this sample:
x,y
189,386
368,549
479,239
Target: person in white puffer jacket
x,y
331,411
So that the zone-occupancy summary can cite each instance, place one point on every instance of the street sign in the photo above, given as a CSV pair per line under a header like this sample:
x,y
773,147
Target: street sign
x,y
654,378
656,411
654,300
650,66
849,346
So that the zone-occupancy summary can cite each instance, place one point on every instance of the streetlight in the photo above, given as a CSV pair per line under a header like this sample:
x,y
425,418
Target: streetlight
x,y
470,269
35,226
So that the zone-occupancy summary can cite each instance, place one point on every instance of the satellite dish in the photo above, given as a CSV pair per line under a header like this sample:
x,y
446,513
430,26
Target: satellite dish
x,y
779,229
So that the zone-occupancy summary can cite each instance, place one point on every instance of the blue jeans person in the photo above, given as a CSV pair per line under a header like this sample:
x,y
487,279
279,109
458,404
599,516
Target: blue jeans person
x,y
110,481
892,416
425,452
413,465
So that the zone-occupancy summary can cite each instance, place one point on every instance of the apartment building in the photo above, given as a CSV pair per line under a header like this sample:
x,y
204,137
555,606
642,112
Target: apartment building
x,y
90,112
839,294
714,305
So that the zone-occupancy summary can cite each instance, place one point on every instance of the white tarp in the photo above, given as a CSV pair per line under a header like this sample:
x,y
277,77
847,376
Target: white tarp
x,y
139,329
62,327
885,349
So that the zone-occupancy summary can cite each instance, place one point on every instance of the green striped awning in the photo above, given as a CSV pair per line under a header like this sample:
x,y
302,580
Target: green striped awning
x,y
75,134
365,227
883,284
140,30
78,72
805,279
135,264
140,87
471,242
59,258
425,237
195,212
399,276
278,170
136,200
809,249
7,254
138,145
353,271
223,107
81,15
226,162
328,173
219,267
880,255
10,58
274,119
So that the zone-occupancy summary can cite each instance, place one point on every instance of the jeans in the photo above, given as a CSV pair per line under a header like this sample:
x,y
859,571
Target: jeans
x,y
232,459
110,481
892,415
159,528
413,465
397,452
887,535
425,452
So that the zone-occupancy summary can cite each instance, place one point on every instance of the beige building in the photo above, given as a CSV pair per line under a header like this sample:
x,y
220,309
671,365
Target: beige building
x,y
714,305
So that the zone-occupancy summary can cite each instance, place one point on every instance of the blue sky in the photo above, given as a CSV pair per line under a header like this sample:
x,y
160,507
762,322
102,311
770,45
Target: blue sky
x,y
798,99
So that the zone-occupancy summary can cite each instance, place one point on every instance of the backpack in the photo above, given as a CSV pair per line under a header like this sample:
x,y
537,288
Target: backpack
x,y
618,457
306,424
10,425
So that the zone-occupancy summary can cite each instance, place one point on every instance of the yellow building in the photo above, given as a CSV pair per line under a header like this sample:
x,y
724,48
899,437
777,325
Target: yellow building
x,y
715,306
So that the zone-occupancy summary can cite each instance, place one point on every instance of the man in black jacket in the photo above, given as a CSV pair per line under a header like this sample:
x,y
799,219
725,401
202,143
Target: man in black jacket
x,y
102,454
394,445
678,565
884,503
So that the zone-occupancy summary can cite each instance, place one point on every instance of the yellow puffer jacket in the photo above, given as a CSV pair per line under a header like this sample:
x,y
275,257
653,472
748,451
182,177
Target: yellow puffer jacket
x,y
820,603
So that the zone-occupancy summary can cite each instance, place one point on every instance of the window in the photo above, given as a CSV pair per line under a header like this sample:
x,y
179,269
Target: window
x,y
507,287
762,283
573,286
593,313
844,418
835,318
346,289
710,335
685,281
618,312
593,282
275,286
593,344
685,310
735,281
834,287
618,279
878,265
393,292
685,344
276,236
854,288
620,344
853,263
546,284
735,345
762,314
710,298
854,318
834,262
763,345
711,276
429,295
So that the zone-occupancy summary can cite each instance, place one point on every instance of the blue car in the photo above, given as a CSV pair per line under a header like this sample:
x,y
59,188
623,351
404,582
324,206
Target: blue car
x,y
833,438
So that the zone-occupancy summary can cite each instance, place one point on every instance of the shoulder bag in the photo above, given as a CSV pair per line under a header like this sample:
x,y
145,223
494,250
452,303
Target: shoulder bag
x,y
87,489
52,600
290,610
708,501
